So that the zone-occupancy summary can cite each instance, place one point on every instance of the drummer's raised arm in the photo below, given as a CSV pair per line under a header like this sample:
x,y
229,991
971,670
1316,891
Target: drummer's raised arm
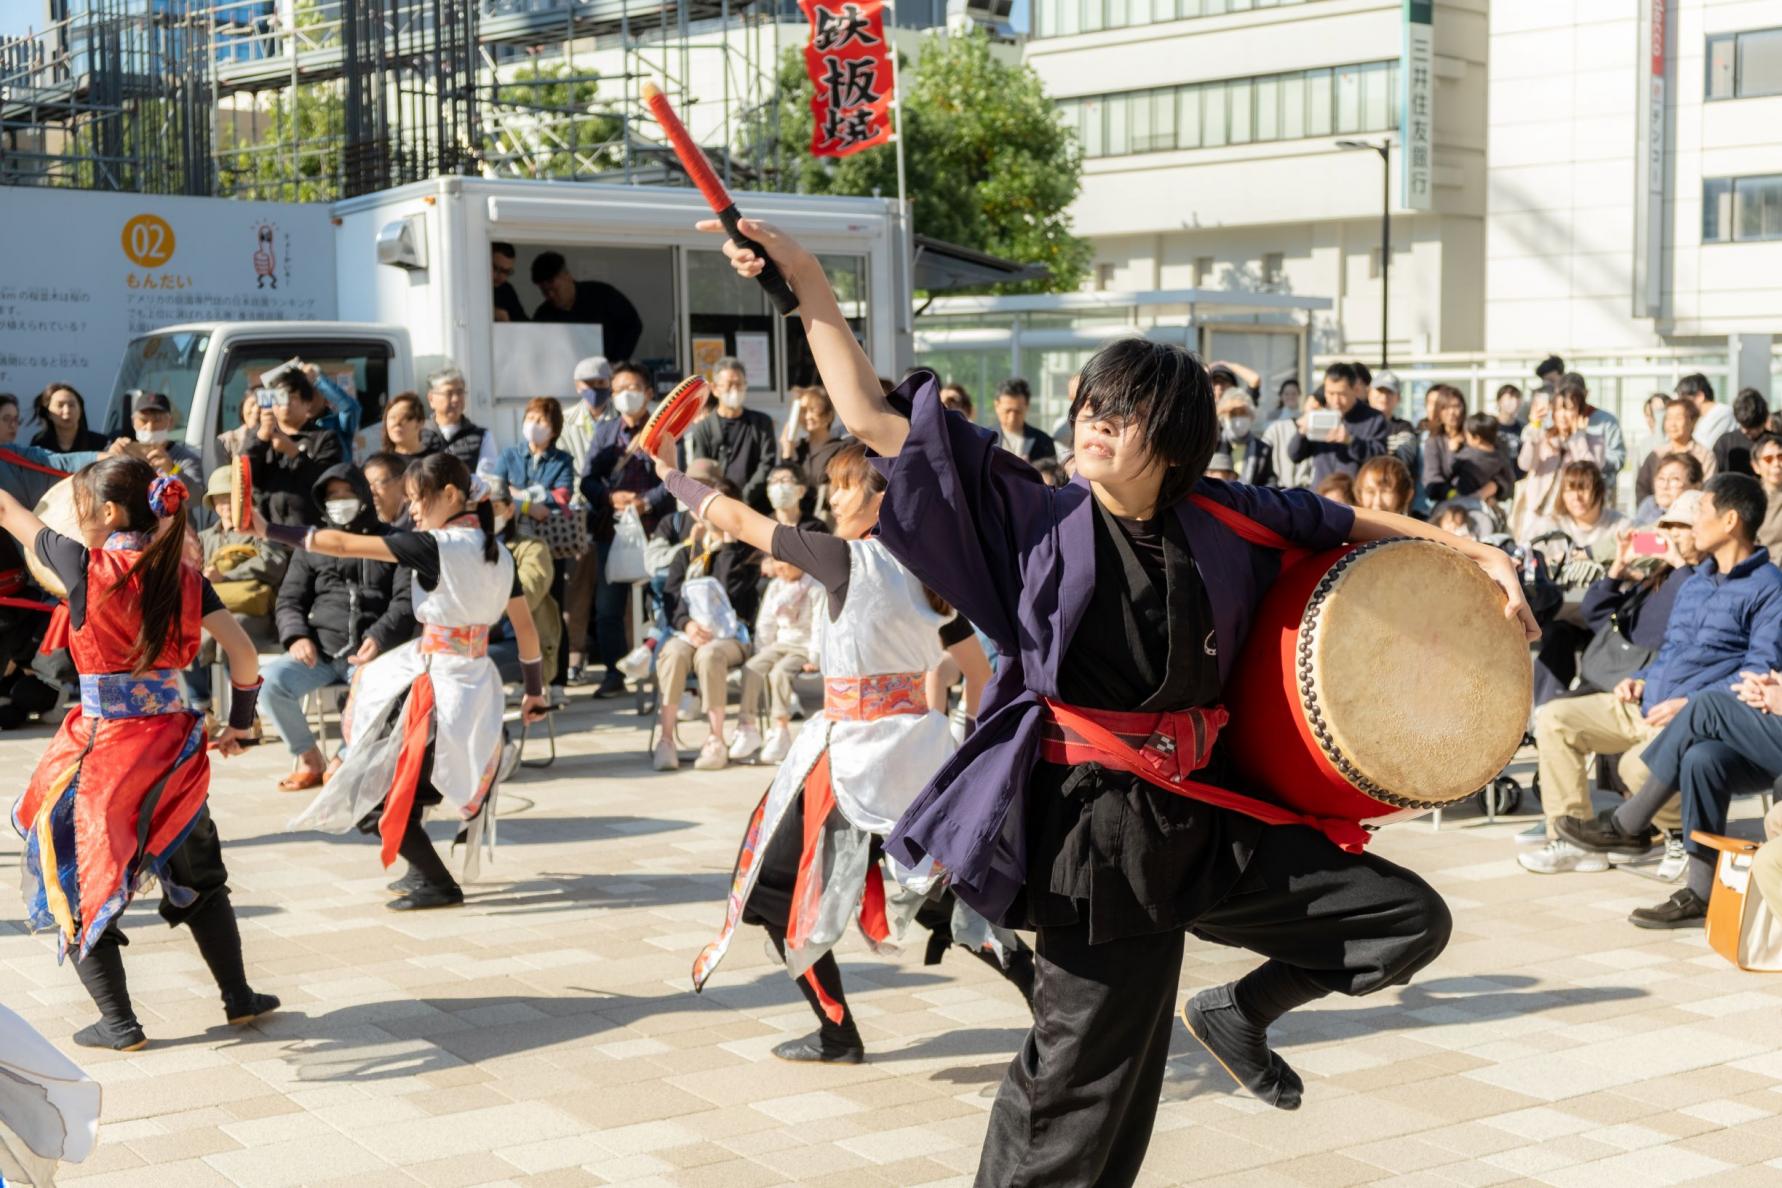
x,y
20,522
848,375
1382,525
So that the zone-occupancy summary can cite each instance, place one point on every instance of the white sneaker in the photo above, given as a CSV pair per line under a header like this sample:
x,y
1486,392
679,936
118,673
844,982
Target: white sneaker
x,y
776,745
667,758
1534,837
689,711
745,744
1558,856
636,664
1668,867
712,756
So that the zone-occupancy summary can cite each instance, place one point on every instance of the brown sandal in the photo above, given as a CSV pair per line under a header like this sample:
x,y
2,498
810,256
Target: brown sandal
x,y
300,780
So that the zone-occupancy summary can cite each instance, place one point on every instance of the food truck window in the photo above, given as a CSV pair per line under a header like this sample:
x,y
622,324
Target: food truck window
x,y
726,316
848,275
361,368
629,292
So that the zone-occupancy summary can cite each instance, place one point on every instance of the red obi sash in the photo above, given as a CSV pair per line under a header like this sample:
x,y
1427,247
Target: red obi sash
x,y
869,698
1164,750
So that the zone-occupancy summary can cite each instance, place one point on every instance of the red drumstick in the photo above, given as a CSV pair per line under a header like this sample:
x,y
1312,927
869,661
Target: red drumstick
x,y
693,160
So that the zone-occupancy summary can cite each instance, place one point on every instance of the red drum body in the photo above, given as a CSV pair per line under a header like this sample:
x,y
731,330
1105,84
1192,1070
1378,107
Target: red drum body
x,y
1379,681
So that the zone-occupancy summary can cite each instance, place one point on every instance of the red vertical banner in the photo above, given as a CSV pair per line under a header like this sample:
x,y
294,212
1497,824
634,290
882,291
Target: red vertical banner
x,y
849,60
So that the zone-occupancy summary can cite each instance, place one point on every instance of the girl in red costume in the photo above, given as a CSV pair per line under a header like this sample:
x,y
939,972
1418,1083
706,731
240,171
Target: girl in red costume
x,y
118,800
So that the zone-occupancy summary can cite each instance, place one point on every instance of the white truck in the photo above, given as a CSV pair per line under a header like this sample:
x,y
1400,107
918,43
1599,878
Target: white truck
x,y
201,295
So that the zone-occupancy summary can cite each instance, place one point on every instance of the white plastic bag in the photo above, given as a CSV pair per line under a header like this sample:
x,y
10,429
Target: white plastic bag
x,y
625,560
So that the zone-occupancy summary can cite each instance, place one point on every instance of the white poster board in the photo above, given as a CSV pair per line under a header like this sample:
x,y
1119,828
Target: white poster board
x,y
87,272
536,359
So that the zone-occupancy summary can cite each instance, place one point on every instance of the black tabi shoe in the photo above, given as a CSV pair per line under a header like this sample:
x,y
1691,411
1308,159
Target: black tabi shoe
x,y
1685,909
412,880
427,896
612,686
244,1011
1241,1048
1602,835
105,1035
812,1050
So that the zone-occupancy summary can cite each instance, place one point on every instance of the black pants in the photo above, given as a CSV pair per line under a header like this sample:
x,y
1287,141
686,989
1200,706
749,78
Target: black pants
x,y
1077,1103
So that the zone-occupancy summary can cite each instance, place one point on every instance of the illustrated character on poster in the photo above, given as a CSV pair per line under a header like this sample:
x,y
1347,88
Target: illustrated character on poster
x,y
265,261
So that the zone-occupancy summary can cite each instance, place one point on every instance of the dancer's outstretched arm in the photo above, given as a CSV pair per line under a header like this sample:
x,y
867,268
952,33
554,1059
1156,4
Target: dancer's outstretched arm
x,y
848,375
19,521
730,516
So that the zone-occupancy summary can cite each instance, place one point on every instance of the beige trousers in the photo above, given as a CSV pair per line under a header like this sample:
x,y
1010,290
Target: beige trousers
x,y
712,663
775,667
1569,730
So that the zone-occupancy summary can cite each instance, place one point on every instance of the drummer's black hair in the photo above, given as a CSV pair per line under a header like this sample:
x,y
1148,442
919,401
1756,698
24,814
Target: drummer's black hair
x,y
125,482
434,473
1164,389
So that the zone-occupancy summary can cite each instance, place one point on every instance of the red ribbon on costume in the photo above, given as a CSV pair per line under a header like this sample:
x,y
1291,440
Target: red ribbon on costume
x,y
819,801
1257,534
1177,744
417,718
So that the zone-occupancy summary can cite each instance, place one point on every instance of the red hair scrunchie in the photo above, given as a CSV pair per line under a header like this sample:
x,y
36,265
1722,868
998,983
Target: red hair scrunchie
x,y
166,496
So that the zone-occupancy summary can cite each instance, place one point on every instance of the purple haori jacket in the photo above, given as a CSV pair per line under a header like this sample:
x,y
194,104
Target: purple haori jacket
x,y
1017,558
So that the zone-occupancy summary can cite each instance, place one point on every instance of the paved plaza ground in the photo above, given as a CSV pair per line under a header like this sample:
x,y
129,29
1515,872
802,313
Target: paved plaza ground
x,y
545,1033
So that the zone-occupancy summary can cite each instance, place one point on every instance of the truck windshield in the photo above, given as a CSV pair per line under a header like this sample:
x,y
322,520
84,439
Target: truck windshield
x,y
165,363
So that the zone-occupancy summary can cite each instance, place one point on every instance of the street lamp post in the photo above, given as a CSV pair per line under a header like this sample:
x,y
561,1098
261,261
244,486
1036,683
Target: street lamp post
x,y
1384,148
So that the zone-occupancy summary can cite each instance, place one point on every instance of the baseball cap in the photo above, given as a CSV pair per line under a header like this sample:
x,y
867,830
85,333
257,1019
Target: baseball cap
x,y
149,402
1386,381
1683,510
1220,374
594,369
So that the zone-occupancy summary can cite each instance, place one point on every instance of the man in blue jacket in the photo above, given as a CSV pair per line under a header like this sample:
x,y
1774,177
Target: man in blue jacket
x,y
1727,620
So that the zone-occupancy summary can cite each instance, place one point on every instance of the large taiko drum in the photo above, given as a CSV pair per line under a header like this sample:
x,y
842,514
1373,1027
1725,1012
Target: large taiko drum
x,y
56,510
1379,681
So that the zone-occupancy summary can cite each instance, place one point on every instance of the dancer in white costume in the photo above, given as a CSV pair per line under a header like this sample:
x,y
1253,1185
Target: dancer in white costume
x,y
425,718
809,860
49,1108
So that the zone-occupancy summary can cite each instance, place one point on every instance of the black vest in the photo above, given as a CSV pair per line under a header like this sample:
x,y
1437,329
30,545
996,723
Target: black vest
x,y
466,445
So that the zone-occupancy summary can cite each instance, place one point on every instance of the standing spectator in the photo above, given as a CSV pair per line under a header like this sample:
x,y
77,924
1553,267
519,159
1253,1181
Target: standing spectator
x,y
784,632
1510,423
539,476
507,305
10,419
1727,620
1766,459
1479,468
786,494
1384,484
739,439
61,416
245,571
593,404
151,416
586,303
820,444
450,431
342,412
1019,438
291,451
1251,458
954,396
1447,437
1549,372
1653,413
1401,435
1602,425
1337,487
615,481
1546,451
1358,436
1584,512
1713,420
1679,438
1278,435
1751,418
1675,474
333,614
405,428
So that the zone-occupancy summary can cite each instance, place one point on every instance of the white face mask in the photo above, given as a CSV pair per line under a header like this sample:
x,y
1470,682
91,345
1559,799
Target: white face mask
x,y
1238,427
154,436
342,512
628,401
732,398
782,495
536,433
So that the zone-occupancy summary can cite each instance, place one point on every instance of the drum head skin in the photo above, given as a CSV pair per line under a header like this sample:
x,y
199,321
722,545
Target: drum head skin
x,y
241,492
1424,685
56,510
674,415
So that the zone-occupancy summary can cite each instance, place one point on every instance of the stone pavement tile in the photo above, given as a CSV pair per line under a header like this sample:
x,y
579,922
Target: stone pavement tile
x,y
458,1099
1404,1154
566,1177
734,1173
1658,1166
1726,1112
182,1172
1756,1141
797,1163
422,1139
183,1091
1326,1170
1198,1152
460,1171
575,1150
647,1101
299,1161
389,1177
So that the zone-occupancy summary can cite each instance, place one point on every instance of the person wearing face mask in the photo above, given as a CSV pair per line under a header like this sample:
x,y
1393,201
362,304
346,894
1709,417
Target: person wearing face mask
x,y
332,614
787,495
1251,458
740,439
151,416
449,431
540,475
290,452
593,404
614,482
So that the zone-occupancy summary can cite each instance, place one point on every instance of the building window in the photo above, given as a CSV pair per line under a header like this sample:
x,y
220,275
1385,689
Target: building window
x,y
1203,271
1745,65
1104,277
1061,18
1274,268
1741,210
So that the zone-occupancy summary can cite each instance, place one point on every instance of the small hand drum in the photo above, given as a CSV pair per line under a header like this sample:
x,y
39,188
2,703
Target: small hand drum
x,y
674,416
241,492
56,510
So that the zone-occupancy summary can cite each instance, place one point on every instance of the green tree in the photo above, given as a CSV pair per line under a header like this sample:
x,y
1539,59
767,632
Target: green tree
x,y
288,150
550,122
989,163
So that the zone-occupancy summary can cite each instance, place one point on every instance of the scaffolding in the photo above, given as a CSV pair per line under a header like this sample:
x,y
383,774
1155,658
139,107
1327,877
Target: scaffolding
x,y
312,100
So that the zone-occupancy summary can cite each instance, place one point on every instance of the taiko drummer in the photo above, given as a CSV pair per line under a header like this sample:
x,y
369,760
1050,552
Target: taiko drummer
x,y
1127,593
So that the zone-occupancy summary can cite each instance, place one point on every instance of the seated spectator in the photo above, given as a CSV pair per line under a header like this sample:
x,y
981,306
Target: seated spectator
x,y
540,476
1547,449
1337,487
290,452
1679,438
1358,436
1727,619
333,614
1751,418
450,431
786,495
674,534
1674,474
151,417
1220,466
1401,436
1480,470
405,424
1510,423
1458,520
1384,484
235,441
535,571
1251,458
812,453
783,649
1447,437
60,414
384,475
703,644
244,570
1584,512
1766,459
1603,427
